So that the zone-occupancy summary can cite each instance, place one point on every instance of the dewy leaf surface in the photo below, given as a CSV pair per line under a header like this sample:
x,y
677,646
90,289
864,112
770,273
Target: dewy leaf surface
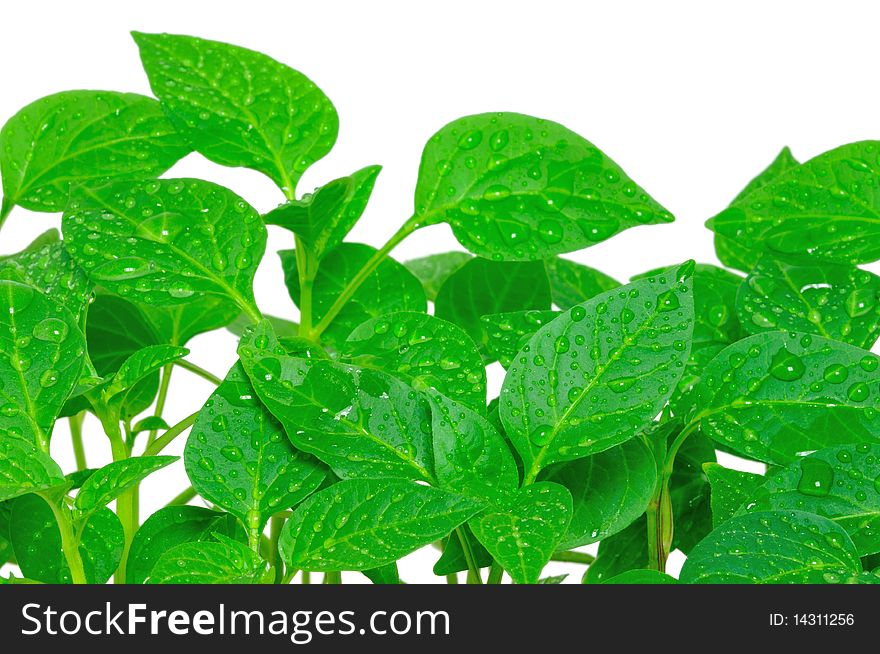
x,y
521,188
507,333
731,489
358,524
25,469
424,351
572,283
772,547
610,490
434,269
238,457
523,531
238,107
108,483
828,208
208,562
838,483
167,242
41,361
597,375
774,395
83,137
836,301
481,287
359,421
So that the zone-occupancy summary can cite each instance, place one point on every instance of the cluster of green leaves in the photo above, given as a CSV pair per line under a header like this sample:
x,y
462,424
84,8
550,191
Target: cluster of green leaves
x,y
363,432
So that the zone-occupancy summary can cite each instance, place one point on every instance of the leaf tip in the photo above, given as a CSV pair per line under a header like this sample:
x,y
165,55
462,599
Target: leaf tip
x,y
685,270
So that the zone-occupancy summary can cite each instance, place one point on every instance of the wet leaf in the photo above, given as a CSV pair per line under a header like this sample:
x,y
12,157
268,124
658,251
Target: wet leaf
x,y
507,333
25,469
730,490
209,562
111,481
572,283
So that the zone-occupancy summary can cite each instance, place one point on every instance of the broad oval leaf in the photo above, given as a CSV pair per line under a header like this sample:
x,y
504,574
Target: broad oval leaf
x,y
434,269
481,287
470,456
43,349
572,283
209,562
522,188
37,543
774,395
522,531
610,490
390,287
238,107
507,333
836,301
171,526
25,469
730,490
360,422
359,524
424,351
772,547
838,483
599,374
238,457
83,137
828,208
167,242
106,484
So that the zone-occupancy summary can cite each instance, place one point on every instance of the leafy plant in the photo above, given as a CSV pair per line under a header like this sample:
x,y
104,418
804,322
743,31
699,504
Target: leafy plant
x,y
360,430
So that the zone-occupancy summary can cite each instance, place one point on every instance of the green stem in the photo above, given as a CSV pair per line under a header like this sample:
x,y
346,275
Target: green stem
x,y
183,498
126,504
288,576
201,372
69,543
496,573
408,228
573,557
333,578
306,267
452,579
276,522
79,451
5,209
161,399
173,432
306,577
473,570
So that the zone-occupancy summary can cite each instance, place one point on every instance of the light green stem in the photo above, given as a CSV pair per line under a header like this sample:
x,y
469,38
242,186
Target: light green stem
x,y
333,578
173,432
126,503
496,573
161,399
69,543
197,370
306,577
473,570
276,523
183,498
573,557
79,451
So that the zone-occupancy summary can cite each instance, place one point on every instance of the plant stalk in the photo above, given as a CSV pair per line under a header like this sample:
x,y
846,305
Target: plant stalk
x,y
496,573
197,370
76,439
573,557
170,434
69,542
161,399
183,498
473,570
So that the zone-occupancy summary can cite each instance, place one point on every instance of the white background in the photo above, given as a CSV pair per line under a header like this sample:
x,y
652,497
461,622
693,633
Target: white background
x,y
692,99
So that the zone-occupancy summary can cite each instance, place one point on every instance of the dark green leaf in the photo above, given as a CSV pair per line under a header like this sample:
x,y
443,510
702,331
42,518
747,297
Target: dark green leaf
x,y
572,283
238,457
522,532
434,269
239,107
517,187
83,137
453,559
642,577
6,553
774,395
359,524
507,333
772,548
690,492
25,469
386,574
481,287
730,490
424,351
599,374
208,562
624,551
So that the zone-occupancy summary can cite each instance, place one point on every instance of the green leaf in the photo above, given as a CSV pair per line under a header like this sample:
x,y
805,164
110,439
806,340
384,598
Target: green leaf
x,y
772,548
322,219
797,294
828,208
37,543
774,395
690,492
522,533
283,328
470,456
572,283
25,469
52,271
150,423
481,287
177,325
390,287
384,575
83,137
424,351
169,527
238,107
48,237
521,188
115,330
838,483
360,422
598,375
167,242
238,457
453,559
624,551
434,269
130,389
43,356
610,490
359,524
6,553
507,333
111,481
730,490
207,562
732,252
557,579
642,577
